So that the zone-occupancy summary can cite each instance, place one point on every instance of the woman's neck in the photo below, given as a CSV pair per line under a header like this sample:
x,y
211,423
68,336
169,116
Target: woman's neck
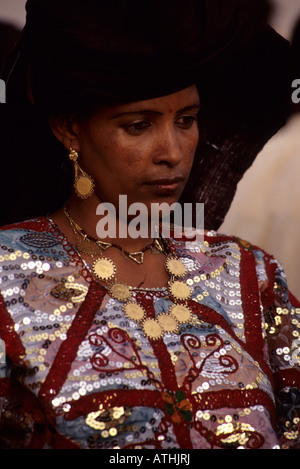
x,y
150,273
108,227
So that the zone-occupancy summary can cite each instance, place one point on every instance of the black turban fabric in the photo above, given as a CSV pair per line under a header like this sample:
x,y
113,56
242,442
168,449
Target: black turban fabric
x,y
75,54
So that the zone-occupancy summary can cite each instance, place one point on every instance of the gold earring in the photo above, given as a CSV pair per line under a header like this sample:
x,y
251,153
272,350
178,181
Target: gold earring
x,y
83,183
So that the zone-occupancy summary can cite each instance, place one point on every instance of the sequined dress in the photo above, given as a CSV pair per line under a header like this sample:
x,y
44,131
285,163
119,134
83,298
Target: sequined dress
x,y
79,374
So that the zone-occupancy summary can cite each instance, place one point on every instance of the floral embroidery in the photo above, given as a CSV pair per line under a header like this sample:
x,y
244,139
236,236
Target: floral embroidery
x,y
177,406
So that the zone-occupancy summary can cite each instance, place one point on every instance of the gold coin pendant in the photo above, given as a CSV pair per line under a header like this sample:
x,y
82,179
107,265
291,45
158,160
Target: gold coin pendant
x,y
167,322
182,313
180,290
175,267
84,186
104,269
152,329
120,292
134,311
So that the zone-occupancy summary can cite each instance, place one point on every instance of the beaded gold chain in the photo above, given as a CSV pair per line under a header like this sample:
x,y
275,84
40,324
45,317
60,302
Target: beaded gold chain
x,y
138,256
105,270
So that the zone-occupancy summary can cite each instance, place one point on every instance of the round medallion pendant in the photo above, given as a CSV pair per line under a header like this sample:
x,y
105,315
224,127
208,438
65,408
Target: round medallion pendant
x,y
175,267
180,290
168,323
104,269
120,292
134,311
84,186
182,313
152,329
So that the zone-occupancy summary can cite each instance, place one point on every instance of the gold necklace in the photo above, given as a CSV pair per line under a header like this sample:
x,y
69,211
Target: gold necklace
x,y
156,246
105,270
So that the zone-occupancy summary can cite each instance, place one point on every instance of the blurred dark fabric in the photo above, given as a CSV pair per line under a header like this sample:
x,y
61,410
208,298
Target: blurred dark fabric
x,y
9,37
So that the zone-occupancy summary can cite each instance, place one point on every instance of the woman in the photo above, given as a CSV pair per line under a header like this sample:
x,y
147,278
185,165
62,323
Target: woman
x,y
138,342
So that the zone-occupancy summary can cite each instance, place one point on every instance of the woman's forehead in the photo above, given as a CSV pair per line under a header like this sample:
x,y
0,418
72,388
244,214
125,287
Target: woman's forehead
x,y
174,102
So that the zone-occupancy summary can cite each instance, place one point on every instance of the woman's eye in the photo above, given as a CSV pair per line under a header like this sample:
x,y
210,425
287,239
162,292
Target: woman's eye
x,y
136,128
186,122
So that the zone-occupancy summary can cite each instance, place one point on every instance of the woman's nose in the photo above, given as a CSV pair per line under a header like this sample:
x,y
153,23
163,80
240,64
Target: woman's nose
x,y
168,150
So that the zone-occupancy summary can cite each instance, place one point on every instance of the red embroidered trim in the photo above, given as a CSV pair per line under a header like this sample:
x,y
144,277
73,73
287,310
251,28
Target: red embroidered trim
x,y
159,348
37,224
183,437
234,399
166,366
13,345
114,397
251,302
147,303
169,380
68,349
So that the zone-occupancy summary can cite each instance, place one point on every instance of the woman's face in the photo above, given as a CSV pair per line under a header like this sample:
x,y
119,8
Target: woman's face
x,y
144,150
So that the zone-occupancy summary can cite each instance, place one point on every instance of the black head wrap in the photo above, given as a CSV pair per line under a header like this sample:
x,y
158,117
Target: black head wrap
x,y
77,53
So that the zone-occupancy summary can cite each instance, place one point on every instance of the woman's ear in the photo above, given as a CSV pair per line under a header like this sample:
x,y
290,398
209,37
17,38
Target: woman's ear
x,y
64,129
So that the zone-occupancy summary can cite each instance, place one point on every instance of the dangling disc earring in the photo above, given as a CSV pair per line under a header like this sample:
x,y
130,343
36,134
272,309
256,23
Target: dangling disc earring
x,y
83,183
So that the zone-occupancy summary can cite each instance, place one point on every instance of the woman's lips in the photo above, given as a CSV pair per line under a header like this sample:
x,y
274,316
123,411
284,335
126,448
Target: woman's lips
x,y
166,185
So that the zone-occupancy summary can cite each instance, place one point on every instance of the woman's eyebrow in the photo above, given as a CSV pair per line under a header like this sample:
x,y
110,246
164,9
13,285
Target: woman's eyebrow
x,y
136,112
191,107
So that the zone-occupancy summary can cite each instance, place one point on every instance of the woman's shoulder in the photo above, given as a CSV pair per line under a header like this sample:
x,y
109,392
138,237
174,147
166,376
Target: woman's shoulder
x,y
212,239
238,254
34,233
214,243
33,224
31,248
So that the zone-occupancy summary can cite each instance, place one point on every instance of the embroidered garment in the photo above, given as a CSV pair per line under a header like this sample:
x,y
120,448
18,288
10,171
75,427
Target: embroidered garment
x,y
80,374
